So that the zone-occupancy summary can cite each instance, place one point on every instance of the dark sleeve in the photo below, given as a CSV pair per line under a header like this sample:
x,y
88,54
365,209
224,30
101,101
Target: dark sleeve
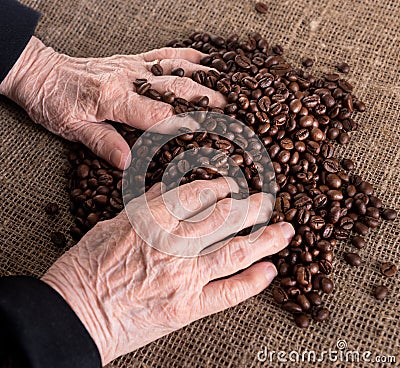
x,y
38,329
17,24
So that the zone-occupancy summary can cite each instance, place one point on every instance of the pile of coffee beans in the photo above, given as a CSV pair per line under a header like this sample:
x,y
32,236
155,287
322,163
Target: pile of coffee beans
x,y
299,118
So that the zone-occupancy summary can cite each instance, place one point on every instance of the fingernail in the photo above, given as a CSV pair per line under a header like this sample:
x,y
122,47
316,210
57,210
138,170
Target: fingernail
x,y
270,272
287,230
116,157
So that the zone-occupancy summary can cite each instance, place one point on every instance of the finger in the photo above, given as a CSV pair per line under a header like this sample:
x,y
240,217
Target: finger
x,y
227,217
223,294
138,111
241,252
191,55
104,141
189,199
155,191
186,88
144,113
169,64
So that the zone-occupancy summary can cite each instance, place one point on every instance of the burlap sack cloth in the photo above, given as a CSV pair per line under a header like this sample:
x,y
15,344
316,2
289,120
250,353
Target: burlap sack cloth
x,y
364,33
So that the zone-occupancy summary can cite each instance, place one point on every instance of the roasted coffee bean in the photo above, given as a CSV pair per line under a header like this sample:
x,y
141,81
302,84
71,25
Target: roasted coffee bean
x,y
360,207
277,49
389,214
243,61
261,7
366,188
52,209
303,302
58,239
320,314
179,72
347,164
380,292
291,307
353,259
326,285
358,242
307,62
333,181
314,298
82,171
302,320
388,269
360,228
143,88
360,106
157,70
343,67
330,165
280,295
92,219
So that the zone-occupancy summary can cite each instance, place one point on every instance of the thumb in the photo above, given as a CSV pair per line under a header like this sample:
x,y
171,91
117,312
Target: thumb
x,y
104,141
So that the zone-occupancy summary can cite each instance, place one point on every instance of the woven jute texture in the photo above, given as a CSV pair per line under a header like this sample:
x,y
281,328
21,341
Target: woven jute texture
x,y
365,33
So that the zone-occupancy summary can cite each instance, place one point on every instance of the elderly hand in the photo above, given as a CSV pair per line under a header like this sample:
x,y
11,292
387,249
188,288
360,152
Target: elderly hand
x,y
128,293
72,97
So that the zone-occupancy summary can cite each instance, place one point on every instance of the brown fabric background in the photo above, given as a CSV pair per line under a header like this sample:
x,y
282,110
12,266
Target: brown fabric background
x,y
364,33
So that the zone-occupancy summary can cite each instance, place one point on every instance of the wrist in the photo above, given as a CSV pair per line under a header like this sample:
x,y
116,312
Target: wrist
x,y
68,282
30,65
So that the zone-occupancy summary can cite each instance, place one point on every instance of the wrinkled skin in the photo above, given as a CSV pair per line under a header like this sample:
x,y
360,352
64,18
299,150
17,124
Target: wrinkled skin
x,y
127,289
127,293
72,97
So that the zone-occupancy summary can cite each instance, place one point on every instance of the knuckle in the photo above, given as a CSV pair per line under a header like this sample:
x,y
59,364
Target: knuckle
x,y
232,295
161,113
239,253
182,86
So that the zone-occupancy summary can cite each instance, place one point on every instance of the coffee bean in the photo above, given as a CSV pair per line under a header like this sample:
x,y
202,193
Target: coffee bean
x,y
360,228
52,209
307,62
343,67
143,88
320,314
277,50
261,7
168,97
360,106
360,207
83,171
92,219
58,239
375,202
314,298
389,214
358,242
326,285
353,259
291,307
381,292
302,320
280,295
303,302
243,61
388,269
179,72
157,70
333,181
366,188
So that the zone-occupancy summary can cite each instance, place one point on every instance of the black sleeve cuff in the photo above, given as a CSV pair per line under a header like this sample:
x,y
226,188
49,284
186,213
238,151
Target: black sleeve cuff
x,y
39,329
17,25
